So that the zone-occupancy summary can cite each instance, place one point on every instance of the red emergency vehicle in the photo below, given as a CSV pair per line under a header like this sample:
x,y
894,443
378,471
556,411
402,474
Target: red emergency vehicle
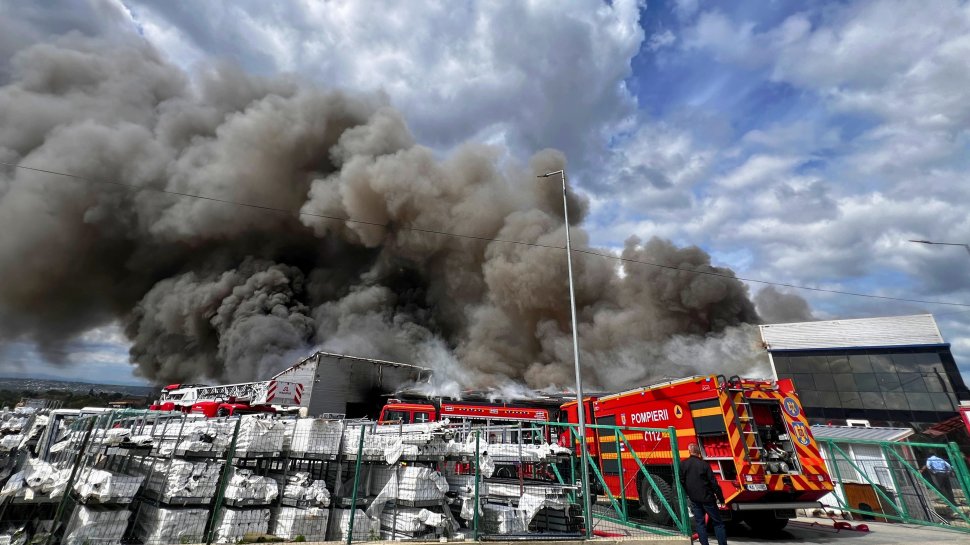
x,y
753,433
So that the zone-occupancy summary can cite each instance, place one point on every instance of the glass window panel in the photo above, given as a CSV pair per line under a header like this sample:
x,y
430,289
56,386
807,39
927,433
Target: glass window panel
x,y
803,381
920,402
888,382
882,363
896,401
824,381
844,382
810,398
851,400
873,400
927,361
829,399
782,366
860,363
933,383
839,363
806,364
912,382
905,363
941,402
866,382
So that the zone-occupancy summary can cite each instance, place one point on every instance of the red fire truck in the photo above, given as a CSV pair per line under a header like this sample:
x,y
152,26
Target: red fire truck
x,y
753,433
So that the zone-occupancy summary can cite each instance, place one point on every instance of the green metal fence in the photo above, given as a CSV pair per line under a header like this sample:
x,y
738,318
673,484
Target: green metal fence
x,y
889,481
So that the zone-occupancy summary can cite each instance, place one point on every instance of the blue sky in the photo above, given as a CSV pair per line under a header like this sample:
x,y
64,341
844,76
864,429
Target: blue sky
x,y
801,143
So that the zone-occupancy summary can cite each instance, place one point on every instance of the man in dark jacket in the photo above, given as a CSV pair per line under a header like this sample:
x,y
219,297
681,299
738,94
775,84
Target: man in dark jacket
x,y
703,493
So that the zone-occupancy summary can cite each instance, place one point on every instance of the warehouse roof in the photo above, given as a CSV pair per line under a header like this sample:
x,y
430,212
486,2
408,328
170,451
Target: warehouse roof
x,y
857,433
916,330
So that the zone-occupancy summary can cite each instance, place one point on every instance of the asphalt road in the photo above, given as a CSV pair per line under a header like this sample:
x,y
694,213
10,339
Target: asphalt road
x,y
822,531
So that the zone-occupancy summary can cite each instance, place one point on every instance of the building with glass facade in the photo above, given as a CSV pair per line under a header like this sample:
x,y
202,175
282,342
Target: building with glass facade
x,y
894,371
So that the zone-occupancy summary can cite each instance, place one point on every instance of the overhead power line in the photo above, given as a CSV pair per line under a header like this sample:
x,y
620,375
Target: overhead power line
x,y
130,187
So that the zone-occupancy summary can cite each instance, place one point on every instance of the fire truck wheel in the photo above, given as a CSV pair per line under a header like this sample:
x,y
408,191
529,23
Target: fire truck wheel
x,y
504,472
652,505
764,522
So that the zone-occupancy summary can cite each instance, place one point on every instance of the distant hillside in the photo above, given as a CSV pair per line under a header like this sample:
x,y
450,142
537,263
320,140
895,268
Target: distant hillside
x,y
72,394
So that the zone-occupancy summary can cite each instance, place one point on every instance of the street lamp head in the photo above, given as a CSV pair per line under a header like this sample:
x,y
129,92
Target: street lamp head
x,y
548,174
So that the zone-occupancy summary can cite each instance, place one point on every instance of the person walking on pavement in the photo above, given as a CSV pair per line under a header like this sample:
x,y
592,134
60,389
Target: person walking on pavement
x,y
704,494
940,471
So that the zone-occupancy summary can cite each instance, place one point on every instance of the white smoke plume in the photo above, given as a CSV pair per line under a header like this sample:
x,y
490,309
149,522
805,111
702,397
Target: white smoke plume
x,y
210,290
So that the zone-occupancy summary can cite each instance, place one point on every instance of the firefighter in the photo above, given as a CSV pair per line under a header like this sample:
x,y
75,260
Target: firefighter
x,y
704,494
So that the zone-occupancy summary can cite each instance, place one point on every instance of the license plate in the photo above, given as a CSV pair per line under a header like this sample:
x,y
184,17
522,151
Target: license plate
x,y
758,487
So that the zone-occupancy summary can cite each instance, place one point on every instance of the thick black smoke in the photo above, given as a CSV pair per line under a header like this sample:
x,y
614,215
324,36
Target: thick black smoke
x,y
209,290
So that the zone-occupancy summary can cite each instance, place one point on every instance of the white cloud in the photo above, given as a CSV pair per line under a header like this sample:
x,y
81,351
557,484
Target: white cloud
x,y
541,74
660,40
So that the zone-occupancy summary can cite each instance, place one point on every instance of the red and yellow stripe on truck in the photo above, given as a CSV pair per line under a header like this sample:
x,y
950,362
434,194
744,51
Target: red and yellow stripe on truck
x,y
753,433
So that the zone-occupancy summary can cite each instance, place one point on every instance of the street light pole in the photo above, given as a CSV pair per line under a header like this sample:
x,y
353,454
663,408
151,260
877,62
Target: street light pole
x,y
965,246
580,406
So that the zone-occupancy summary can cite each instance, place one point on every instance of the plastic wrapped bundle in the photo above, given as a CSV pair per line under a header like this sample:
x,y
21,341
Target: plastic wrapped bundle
x,y
160,525
244,485
233,524
105,486
502,519
301,488
94,525
10,442
290,522
37,477
409,483
317,436
374,444
167,480
363,525
260,435
407,523
202,436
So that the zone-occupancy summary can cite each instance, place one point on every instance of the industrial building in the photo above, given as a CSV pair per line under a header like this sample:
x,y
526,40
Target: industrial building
x,y
887,371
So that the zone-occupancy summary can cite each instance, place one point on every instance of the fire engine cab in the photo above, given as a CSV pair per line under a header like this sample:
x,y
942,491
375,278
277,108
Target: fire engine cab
x,y
753,433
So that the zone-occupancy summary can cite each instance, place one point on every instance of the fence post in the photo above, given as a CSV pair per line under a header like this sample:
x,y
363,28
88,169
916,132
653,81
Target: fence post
x,y
223,483
681,502
353,496
619,468
960,468
70,481
478,436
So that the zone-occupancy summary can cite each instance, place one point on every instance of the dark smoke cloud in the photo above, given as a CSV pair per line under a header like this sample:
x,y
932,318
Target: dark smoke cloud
x,y
778,307
208,290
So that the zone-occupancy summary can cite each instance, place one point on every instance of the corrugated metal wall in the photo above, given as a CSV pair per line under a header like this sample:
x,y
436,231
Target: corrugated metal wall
x,y
866,332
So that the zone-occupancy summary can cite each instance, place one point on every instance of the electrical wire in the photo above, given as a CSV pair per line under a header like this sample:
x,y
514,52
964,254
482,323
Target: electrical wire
x,y
130,187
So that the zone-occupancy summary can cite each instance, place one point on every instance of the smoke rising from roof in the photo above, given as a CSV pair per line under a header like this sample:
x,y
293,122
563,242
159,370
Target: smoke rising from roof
x,y
209,290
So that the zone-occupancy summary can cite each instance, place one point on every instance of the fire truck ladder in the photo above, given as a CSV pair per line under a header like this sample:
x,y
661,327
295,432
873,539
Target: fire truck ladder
x,y
753,449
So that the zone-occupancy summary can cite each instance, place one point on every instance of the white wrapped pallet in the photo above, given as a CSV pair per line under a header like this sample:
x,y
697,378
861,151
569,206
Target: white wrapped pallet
x,y
317,436
104,486
161,525
364,527
260,435
407,523
245,485
374,445
96,525
300,487
409,483
168,480
233,524
291,522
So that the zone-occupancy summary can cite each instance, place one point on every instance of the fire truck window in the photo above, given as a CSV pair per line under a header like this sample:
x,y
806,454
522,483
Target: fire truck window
x,y
421,417
397,416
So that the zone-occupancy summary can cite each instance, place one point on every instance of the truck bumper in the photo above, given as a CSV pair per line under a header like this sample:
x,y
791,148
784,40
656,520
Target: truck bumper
x,y
739,506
